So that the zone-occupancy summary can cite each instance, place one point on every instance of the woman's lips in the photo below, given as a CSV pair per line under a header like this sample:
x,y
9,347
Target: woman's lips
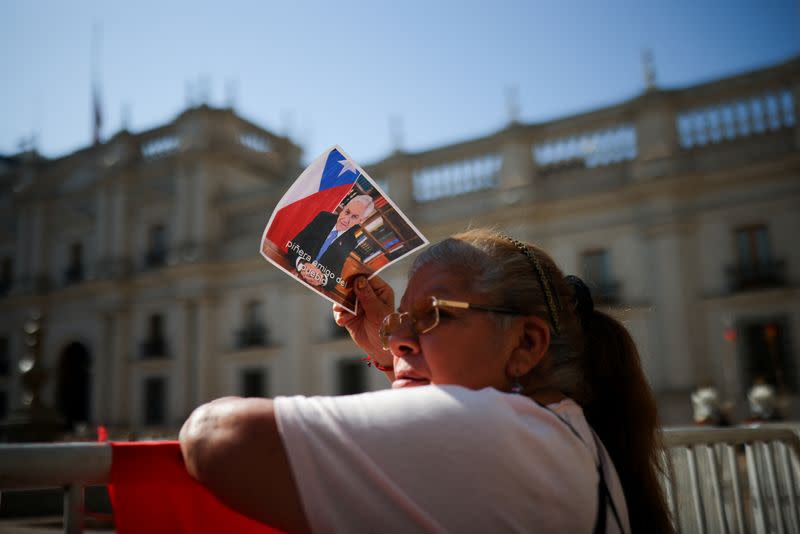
x,y
409,382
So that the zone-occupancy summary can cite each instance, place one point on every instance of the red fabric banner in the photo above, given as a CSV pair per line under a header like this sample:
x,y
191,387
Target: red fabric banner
x,y
152,492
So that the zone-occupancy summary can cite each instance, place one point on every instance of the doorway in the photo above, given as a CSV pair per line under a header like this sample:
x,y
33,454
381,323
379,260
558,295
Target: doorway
x,y
74,384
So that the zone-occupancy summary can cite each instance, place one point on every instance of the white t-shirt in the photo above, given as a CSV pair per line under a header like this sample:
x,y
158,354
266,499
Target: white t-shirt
x,y
444,459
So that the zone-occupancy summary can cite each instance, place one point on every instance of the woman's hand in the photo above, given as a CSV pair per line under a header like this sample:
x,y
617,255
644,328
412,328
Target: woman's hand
x,y
375,301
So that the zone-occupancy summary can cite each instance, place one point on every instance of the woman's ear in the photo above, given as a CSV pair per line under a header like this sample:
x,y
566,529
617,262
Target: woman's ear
x,y
531,344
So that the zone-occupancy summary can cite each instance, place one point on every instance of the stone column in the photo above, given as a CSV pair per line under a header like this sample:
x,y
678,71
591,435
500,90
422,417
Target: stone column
x,y
180,219
206,371
519,168
101,232
101,371
188,372
656,136
199,205
22,249
673,287
178,331
401,183
120,247
298,343
120,357
39,253
197,227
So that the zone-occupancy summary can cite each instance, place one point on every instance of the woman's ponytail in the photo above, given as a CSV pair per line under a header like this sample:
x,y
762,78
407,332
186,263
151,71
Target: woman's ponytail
x,y
621,408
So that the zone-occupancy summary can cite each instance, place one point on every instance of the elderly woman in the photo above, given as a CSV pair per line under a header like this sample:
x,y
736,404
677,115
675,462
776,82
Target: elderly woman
x,y
515,406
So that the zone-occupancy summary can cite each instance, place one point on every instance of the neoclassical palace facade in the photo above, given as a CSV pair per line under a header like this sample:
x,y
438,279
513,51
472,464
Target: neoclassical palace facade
x,y
142,252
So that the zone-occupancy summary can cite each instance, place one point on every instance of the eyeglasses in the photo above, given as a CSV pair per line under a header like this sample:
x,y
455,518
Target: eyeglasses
x,y
425,316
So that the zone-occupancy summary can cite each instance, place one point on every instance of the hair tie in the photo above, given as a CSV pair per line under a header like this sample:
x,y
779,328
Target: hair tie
x,y
584,304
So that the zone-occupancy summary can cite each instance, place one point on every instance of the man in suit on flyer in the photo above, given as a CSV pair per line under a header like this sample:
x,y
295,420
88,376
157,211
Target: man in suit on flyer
x,y
319,250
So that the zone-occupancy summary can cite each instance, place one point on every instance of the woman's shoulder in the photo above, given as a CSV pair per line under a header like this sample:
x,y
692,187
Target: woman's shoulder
x,y
439,409
445,397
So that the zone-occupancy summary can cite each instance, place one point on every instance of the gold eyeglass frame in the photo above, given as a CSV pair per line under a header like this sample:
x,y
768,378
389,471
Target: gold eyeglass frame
x,y
436,303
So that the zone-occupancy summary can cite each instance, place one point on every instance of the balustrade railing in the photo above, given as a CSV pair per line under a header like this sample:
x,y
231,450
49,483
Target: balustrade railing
x,y
73,274
155,347
734,119
456,177
161,146
155,258
757,275
255,142
591,149
252,335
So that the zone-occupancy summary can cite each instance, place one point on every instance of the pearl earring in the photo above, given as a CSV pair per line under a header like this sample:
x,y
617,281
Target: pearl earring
x,y
516,387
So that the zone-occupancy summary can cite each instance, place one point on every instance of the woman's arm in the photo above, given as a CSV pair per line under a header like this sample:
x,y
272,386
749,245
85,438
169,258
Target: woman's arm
x,y
232,446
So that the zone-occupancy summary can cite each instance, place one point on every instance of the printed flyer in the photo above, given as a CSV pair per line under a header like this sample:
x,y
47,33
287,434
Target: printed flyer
x,y
334,224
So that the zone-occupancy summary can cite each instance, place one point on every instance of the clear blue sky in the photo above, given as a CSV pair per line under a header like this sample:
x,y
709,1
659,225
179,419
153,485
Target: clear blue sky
x,y
334,72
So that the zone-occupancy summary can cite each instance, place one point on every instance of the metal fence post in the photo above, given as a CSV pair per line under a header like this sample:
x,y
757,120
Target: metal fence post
x,y
73,509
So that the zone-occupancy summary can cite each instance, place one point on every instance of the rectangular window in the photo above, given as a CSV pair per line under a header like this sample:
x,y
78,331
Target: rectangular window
x,y
253,332
76,254
5,357
752,246
595,266
155,345
156,325
74,272
155,394
156,246
6,275
252,312
352,374
755,266
596,269
253,382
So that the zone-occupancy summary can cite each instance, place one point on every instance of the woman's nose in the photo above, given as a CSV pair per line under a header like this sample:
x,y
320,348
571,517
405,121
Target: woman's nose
x,y
404,341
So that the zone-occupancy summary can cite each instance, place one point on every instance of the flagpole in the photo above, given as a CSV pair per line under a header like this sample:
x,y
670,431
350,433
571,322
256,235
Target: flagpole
x,y
97,117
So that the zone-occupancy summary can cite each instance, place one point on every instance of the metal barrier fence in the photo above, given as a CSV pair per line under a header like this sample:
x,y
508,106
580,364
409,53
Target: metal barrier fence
x,y
71,466
726,480
734,480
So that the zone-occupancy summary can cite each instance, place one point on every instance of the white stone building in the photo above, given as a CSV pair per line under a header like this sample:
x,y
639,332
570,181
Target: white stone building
x,y
678,206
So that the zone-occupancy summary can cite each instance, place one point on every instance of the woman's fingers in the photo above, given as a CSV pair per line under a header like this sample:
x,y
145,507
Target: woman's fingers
x,y
341,316
382,290
375,296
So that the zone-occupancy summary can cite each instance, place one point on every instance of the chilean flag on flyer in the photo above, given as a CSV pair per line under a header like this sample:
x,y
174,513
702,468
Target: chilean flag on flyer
x,y
321,187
